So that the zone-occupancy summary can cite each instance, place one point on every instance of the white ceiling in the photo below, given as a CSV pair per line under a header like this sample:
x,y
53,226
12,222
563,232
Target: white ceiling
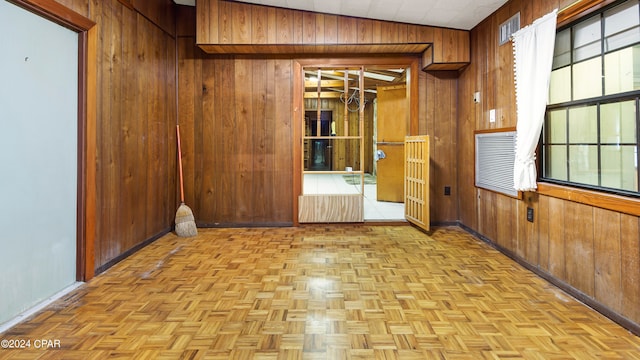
x,y
456,14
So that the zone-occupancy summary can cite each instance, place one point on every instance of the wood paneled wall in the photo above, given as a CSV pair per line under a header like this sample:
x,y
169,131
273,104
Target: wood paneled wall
x,y
136,116
236,117
438,105
594,251
233,27
212,101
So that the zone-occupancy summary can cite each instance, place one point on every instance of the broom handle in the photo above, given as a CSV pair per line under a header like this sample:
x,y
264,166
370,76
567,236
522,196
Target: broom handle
x,y
180,165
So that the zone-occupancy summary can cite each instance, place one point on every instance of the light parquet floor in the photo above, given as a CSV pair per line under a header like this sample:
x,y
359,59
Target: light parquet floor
x,y
321,292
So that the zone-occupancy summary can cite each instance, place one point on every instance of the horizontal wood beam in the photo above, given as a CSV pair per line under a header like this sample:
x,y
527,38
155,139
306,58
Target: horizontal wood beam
x,y
324,83
323,95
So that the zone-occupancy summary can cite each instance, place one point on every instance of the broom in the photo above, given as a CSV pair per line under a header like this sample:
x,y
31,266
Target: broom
x,y
185,222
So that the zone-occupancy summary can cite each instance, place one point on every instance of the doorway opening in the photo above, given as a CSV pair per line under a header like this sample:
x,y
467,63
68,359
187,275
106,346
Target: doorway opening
x,y
347,149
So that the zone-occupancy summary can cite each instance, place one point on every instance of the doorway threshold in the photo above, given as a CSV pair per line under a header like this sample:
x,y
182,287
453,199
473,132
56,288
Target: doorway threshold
x,y
386,222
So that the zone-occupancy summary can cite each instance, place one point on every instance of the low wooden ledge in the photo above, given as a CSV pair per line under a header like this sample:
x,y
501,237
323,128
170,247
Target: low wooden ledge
x,y
619,203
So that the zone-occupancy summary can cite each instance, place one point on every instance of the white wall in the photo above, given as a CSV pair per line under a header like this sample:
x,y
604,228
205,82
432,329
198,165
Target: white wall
x,y
38,159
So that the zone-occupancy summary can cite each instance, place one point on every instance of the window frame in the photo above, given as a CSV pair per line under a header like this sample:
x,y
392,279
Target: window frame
x,y
611,199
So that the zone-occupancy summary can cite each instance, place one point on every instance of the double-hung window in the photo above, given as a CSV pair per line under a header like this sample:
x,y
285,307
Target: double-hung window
x,y
590,136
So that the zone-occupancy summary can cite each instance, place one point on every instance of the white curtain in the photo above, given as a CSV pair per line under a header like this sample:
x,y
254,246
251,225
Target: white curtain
x,y
533,51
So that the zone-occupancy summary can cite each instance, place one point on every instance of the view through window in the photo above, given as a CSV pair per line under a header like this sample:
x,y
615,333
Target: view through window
x,y
590,136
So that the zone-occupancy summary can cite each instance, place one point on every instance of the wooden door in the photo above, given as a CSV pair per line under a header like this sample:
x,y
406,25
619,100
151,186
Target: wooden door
x,y
393,110
416,203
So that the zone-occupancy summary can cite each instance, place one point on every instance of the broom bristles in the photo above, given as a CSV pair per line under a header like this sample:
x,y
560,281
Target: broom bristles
x,y
185,222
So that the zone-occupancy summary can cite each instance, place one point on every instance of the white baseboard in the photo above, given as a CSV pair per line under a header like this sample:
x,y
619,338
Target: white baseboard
x,y
44,303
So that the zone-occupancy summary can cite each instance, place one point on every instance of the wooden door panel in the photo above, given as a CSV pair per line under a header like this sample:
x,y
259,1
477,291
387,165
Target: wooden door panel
x,y
391,129
416,202
390,177
392,113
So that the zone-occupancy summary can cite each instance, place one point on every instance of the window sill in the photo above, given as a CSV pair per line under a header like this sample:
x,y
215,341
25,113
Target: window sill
x,y
612,202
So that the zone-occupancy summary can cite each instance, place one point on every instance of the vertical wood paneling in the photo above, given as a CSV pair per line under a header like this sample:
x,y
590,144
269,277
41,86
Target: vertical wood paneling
x,y
491,79
390,32
467,199
365,31
244,125
423,107
135,179
166,140
608,285
449,47
377,31
319,28
261,145
543,233
270,181
506,234
242,131
162,120
630,265
185,21
194,132
283,137
463,45
154,136
402,31
159,12
438,39
487,217
298,27
225,22
527,244
207,24
284,26
309,29
259,25
413,33
208,201
135,128
226,139
241,23
579,256
441,90
428,121
348,30
557,256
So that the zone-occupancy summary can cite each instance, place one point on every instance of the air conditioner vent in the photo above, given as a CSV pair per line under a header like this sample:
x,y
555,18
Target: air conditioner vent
x,y
509,27
495,158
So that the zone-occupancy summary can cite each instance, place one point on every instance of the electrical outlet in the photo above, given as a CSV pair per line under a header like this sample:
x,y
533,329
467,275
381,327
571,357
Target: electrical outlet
x,y
447,190
530,214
